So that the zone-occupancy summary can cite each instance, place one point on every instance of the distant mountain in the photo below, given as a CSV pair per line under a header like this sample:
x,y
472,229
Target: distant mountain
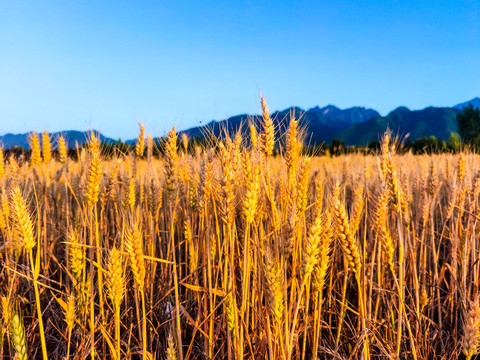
x,y
475,102
319,124
351,115
355,125
71,136
432,121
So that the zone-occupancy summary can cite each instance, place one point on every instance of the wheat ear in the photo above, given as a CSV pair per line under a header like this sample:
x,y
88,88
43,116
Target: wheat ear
x,y
17,330
140,145
268,135
347,240
46,148
471,330
22,219
36,157
62,150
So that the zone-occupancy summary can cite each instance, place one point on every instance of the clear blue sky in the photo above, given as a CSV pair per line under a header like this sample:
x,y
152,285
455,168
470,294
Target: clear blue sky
x,y
109,64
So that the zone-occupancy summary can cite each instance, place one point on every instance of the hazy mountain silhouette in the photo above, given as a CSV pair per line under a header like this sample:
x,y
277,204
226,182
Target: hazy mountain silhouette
x,y
319,124
354,126
351,115
432,121
71,136
475,102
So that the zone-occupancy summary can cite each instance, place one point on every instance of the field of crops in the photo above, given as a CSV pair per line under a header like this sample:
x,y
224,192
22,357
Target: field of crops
x,y
229,252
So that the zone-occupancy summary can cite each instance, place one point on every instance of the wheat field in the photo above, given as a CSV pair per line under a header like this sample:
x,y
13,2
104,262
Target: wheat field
x,y
228,252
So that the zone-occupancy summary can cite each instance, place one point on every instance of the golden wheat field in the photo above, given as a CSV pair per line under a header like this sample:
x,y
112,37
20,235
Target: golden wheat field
x,y
228,252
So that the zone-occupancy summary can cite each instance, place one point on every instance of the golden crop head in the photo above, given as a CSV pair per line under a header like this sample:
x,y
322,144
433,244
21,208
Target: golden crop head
x,y
95,173
347,240
471,330
268,135
22,219
140,145
17,334
62,150
36,157
134,248
46,148
2,163
116,278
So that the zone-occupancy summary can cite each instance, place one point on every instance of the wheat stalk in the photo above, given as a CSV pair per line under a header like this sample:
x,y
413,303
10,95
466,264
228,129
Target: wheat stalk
x,y
303,185
76,256
116,290
46,148
22,220
471,330
70,316
36,158
134,248
17,331
347,241
95,174
62,150
140,145
268,135
461,168
171,348
252,188
171,161
274,288
2,163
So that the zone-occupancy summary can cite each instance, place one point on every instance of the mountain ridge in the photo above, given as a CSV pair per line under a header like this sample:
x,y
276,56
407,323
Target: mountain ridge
x,y
328,121
475,102
431,121
72,137
325,124
355,125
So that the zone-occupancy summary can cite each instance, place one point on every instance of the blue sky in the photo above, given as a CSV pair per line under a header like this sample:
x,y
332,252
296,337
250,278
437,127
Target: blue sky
x,y
109,64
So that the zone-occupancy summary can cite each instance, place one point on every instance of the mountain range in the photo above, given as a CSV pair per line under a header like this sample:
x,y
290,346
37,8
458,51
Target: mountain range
x,y
72,137
354,126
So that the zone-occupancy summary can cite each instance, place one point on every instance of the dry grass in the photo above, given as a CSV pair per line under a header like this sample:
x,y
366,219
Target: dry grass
x,y
229,253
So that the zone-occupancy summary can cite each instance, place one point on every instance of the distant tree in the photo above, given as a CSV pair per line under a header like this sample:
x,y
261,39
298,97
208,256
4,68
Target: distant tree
x,y
337,147
469,124
453,142
429,145
406,146
374,146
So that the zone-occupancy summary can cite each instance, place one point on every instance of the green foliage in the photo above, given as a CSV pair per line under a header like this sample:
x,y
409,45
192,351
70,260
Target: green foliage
x,y
453,142
469,125
432,121
110,149
429,145
337,147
